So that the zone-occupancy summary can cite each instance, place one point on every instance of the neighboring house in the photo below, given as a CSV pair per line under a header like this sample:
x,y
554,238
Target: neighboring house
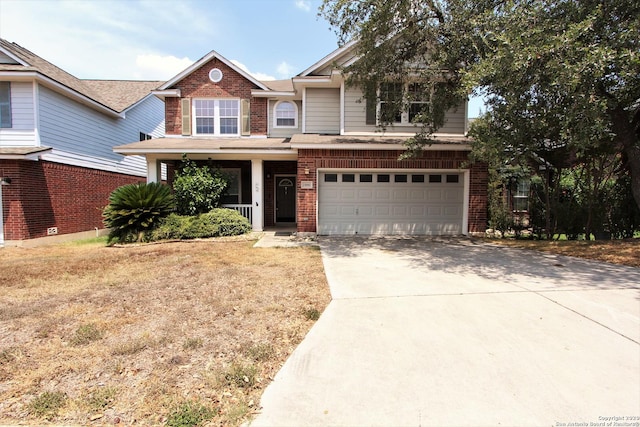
x,y
57,134
307,152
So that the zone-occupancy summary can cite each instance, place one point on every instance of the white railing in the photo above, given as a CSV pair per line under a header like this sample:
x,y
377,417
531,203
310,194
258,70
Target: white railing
x,y
245,210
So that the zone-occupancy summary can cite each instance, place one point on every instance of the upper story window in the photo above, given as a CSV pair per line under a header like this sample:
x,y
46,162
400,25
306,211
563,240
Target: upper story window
x,y
217,117
5,104
402,103
285,115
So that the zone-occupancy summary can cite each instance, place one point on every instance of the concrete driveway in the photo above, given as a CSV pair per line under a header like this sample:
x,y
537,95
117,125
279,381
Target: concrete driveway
x,y
450,332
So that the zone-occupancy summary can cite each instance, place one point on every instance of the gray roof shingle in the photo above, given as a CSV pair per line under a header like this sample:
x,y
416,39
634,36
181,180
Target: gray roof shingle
x,y
116,95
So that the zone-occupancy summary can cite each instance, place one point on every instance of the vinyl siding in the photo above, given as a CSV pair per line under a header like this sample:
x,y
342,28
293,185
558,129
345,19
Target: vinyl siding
x,y
322,111
22,131
84,137
355,117
275,132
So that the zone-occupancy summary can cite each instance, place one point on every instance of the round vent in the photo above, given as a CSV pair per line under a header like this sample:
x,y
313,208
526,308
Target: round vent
x,y
215,75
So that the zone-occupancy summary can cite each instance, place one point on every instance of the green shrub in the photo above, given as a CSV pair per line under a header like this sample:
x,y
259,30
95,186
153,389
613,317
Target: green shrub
x,y
190,414
229,222
197,189
218,222
135,209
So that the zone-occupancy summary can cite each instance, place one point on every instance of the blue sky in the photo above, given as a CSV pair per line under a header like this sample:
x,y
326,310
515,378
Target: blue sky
x,y
156,39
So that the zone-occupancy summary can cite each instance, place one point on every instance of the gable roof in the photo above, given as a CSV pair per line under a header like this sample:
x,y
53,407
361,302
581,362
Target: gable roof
x,y
200,62
113,95
329,59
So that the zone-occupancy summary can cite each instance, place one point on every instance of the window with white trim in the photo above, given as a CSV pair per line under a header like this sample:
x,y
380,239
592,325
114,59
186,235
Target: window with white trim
x,y
285,115
218,117
402,103
521,196
5,104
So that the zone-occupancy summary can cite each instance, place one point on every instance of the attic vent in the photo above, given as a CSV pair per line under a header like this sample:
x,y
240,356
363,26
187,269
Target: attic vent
x,y
215,75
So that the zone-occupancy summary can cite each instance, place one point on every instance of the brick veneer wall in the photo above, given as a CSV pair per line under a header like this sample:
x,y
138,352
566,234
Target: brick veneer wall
x,y
232,85
45,194
314,159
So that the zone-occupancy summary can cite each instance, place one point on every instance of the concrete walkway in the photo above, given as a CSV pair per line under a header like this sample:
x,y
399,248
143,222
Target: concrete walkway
x,y
428,332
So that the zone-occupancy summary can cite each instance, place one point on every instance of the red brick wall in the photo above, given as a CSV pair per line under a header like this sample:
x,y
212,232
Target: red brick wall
x,y
380,159
232,85
44,194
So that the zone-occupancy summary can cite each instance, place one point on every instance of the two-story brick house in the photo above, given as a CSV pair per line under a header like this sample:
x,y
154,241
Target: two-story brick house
x,y
57,134
308,151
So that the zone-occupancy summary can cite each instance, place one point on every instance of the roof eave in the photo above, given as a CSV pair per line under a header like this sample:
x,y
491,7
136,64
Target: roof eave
x,y
71,93
270,93
327,59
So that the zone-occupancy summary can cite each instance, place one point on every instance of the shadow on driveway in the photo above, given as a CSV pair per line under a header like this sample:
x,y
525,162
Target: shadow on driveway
x,y
466,256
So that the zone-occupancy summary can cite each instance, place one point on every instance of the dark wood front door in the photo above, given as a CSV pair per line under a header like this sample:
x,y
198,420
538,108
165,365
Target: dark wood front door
x,y
286,199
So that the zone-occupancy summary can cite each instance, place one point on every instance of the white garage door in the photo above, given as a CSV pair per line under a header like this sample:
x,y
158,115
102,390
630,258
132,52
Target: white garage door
x,y
397,202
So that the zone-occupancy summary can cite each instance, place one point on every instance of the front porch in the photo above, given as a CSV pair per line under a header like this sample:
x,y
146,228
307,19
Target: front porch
x,y
263,191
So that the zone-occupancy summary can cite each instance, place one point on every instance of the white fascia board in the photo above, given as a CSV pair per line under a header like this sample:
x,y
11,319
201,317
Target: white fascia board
x,y
208,57
258,93
365,146
14,57
167,93
327,59
308,80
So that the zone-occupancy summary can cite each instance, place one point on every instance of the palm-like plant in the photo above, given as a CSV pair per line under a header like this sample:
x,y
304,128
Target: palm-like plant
x,y
135,209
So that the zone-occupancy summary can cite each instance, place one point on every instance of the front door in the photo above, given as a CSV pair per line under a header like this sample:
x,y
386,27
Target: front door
x,y
286,198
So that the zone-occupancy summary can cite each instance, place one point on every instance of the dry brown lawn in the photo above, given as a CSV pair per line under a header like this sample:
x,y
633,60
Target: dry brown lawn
x,y
95,335
623,252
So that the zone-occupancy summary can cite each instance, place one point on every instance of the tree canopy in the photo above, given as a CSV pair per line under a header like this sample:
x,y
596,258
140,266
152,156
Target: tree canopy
x,y
561,78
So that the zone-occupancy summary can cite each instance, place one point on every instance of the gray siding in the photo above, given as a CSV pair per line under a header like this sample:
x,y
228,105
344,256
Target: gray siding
x,y
22,131
275,132
355,117
84,137
322,110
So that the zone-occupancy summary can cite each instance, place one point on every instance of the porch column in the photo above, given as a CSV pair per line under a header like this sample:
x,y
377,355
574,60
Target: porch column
x,y
153,170
257,195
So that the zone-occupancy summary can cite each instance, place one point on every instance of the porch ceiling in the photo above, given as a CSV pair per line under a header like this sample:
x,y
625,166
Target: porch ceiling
x,y
205,146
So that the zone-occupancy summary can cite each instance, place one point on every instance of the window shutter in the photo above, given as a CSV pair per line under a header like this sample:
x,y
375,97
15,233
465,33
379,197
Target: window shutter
x,y
186,116
371,100
246,117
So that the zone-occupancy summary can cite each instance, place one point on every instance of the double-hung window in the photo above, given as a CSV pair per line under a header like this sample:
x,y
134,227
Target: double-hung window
x,y
521,196
218,117
402,104
5,104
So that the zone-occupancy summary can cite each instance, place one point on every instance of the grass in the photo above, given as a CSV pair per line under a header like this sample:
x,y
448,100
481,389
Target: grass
x,y
622,252
183,333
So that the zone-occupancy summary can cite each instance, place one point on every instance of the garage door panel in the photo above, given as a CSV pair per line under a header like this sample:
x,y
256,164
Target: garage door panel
x,y
366,206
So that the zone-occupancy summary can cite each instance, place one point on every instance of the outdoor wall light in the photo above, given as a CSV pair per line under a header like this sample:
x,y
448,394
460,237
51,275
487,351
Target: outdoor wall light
x,y
5,180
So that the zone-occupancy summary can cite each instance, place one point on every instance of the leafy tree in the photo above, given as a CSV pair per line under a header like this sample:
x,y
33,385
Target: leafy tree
x,y
135,209
198,189
561,77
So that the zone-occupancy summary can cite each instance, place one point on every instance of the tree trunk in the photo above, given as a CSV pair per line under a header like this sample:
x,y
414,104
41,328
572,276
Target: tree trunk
x,y
625,127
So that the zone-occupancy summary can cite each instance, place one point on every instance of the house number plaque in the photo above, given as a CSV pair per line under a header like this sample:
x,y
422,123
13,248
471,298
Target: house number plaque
x,y
307,185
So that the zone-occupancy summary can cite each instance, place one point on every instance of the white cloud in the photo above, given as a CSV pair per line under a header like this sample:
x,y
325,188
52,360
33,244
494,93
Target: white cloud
x,y
159,67
285,70
303,5
259,76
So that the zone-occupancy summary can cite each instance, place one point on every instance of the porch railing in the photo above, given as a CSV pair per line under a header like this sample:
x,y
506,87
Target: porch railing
x,y
245,210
